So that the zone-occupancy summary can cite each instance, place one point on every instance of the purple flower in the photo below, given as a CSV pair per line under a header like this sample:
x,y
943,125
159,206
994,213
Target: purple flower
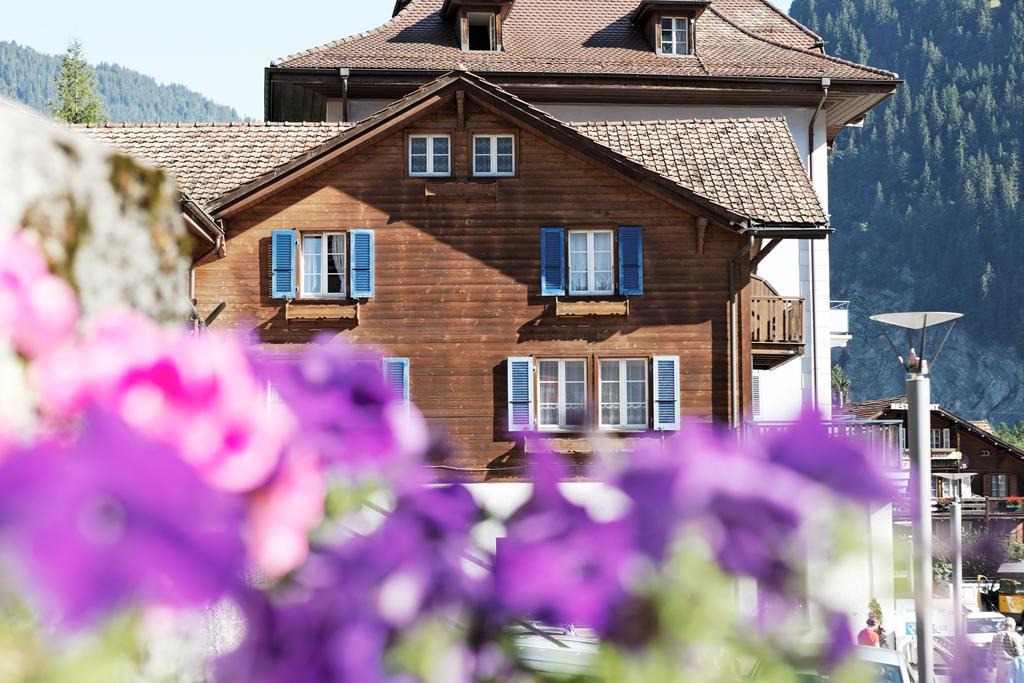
x,y
556,563
347,411
112,519
835,461
708,483
350,602
840,640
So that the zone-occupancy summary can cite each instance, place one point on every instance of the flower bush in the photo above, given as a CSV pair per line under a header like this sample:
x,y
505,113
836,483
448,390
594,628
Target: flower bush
x,y
153,478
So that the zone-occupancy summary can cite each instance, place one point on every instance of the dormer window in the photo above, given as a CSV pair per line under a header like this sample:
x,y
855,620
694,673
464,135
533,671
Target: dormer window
x,y
675,36
481,32
477,22
670,25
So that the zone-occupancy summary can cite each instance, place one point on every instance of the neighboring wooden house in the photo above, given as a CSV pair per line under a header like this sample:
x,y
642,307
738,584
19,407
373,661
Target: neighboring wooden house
x,y
526,274
962,446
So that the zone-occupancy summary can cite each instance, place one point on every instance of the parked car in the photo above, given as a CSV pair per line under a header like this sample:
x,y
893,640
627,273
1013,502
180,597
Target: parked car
x,y
983,626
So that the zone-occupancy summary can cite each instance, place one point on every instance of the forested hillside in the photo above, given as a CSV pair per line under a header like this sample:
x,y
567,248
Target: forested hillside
x,y
926,197
28,77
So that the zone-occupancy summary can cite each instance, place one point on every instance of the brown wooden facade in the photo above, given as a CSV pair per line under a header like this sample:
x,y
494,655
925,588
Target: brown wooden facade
x,y
458,278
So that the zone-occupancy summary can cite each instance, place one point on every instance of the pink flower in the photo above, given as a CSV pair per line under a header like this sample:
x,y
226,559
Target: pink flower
x,y
199,394
38,310
282,513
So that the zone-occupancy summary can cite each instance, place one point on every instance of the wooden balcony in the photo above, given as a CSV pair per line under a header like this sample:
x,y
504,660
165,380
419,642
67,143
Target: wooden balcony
x,y
776,329
970,508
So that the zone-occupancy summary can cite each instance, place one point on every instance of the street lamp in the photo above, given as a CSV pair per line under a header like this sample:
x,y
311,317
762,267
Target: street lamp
x,y
916,365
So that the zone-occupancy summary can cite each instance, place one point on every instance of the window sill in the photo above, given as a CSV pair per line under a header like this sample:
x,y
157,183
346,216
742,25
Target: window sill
x,y
321,309
591,307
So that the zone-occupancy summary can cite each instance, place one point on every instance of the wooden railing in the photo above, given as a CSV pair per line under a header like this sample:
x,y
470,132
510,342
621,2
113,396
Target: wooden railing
x,y
777,319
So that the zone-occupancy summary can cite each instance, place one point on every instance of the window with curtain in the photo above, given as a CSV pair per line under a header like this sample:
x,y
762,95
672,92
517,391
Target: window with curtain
x,y
623,393
562,393
323,264
493,155
429,155
1000,489
590,262
675,36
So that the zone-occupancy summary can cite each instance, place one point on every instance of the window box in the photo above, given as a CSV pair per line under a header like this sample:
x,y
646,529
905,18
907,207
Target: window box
x,y
430,155
318,310
573,308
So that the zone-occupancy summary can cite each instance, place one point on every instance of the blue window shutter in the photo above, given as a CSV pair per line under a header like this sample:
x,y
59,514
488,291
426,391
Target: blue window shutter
x,y
520,394
666,393
631,261
552,261
396,376
282,264
361,264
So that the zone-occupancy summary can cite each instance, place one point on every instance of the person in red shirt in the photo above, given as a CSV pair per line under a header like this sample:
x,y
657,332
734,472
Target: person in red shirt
x,y
869,634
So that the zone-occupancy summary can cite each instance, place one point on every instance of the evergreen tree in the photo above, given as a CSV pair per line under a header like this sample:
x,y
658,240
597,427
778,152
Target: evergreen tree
x,y
78,100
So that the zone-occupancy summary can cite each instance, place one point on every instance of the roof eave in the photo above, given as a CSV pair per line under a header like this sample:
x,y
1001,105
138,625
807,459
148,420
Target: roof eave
x,y
785,230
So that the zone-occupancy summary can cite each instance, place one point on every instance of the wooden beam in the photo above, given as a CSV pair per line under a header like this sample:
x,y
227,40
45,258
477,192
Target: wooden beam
x,y
763,252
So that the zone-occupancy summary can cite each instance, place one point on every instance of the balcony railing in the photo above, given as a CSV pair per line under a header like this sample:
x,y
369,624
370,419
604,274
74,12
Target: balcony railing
x,y
777,320
881,438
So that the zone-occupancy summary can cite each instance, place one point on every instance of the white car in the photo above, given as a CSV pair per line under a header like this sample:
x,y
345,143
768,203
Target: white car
x,y
561,651
888,666
983,626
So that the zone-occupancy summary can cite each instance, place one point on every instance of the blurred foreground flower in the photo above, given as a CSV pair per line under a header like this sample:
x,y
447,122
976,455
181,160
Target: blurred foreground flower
x,y
110,519
348,413
38,311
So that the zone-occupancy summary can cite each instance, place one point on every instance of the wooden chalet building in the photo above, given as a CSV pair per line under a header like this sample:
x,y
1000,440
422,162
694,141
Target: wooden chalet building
x,y
552,217
990,498
579,283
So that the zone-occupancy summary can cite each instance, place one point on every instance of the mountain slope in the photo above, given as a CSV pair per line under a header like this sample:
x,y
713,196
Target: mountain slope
x,y
926,198
28,77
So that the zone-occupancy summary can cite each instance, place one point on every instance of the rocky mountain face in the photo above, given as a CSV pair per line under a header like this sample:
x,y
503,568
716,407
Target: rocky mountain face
x,y
926,197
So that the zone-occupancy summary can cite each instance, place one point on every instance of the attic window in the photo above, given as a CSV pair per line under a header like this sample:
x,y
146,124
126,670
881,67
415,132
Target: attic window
x,y
675,36
481,32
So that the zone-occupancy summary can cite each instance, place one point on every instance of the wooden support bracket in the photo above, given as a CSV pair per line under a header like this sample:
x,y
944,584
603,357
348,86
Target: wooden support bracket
x,y
701,223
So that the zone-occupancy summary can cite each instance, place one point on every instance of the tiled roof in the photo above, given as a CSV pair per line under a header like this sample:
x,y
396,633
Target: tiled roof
x,y
748,165
734,38
210,159
873,409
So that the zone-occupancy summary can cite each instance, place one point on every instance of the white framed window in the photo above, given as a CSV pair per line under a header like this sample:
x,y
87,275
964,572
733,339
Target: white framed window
x,y
940,439
430,155
322,266
624,397
675,36
562,393
590,262
999,486
494,155
984,452
481,32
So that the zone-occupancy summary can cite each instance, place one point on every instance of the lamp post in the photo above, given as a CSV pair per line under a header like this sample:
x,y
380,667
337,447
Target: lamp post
x,y
916,366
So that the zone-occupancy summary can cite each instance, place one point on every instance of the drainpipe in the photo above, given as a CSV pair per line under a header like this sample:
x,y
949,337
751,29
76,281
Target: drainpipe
x,y
825,83
343,72
735,330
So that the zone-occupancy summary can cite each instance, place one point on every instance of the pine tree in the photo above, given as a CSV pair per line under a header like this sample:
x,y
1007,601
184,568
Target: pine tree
x,y
78,100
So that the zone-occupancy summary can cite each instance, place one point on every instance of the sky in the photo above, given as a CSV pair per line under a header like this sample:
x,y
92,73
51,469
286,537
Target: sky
x,y
216,47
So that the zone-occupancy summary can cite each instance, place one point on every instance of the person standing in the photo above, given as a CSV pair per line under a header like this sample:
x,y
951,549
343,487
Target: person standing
x,y
1006,646
869,634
